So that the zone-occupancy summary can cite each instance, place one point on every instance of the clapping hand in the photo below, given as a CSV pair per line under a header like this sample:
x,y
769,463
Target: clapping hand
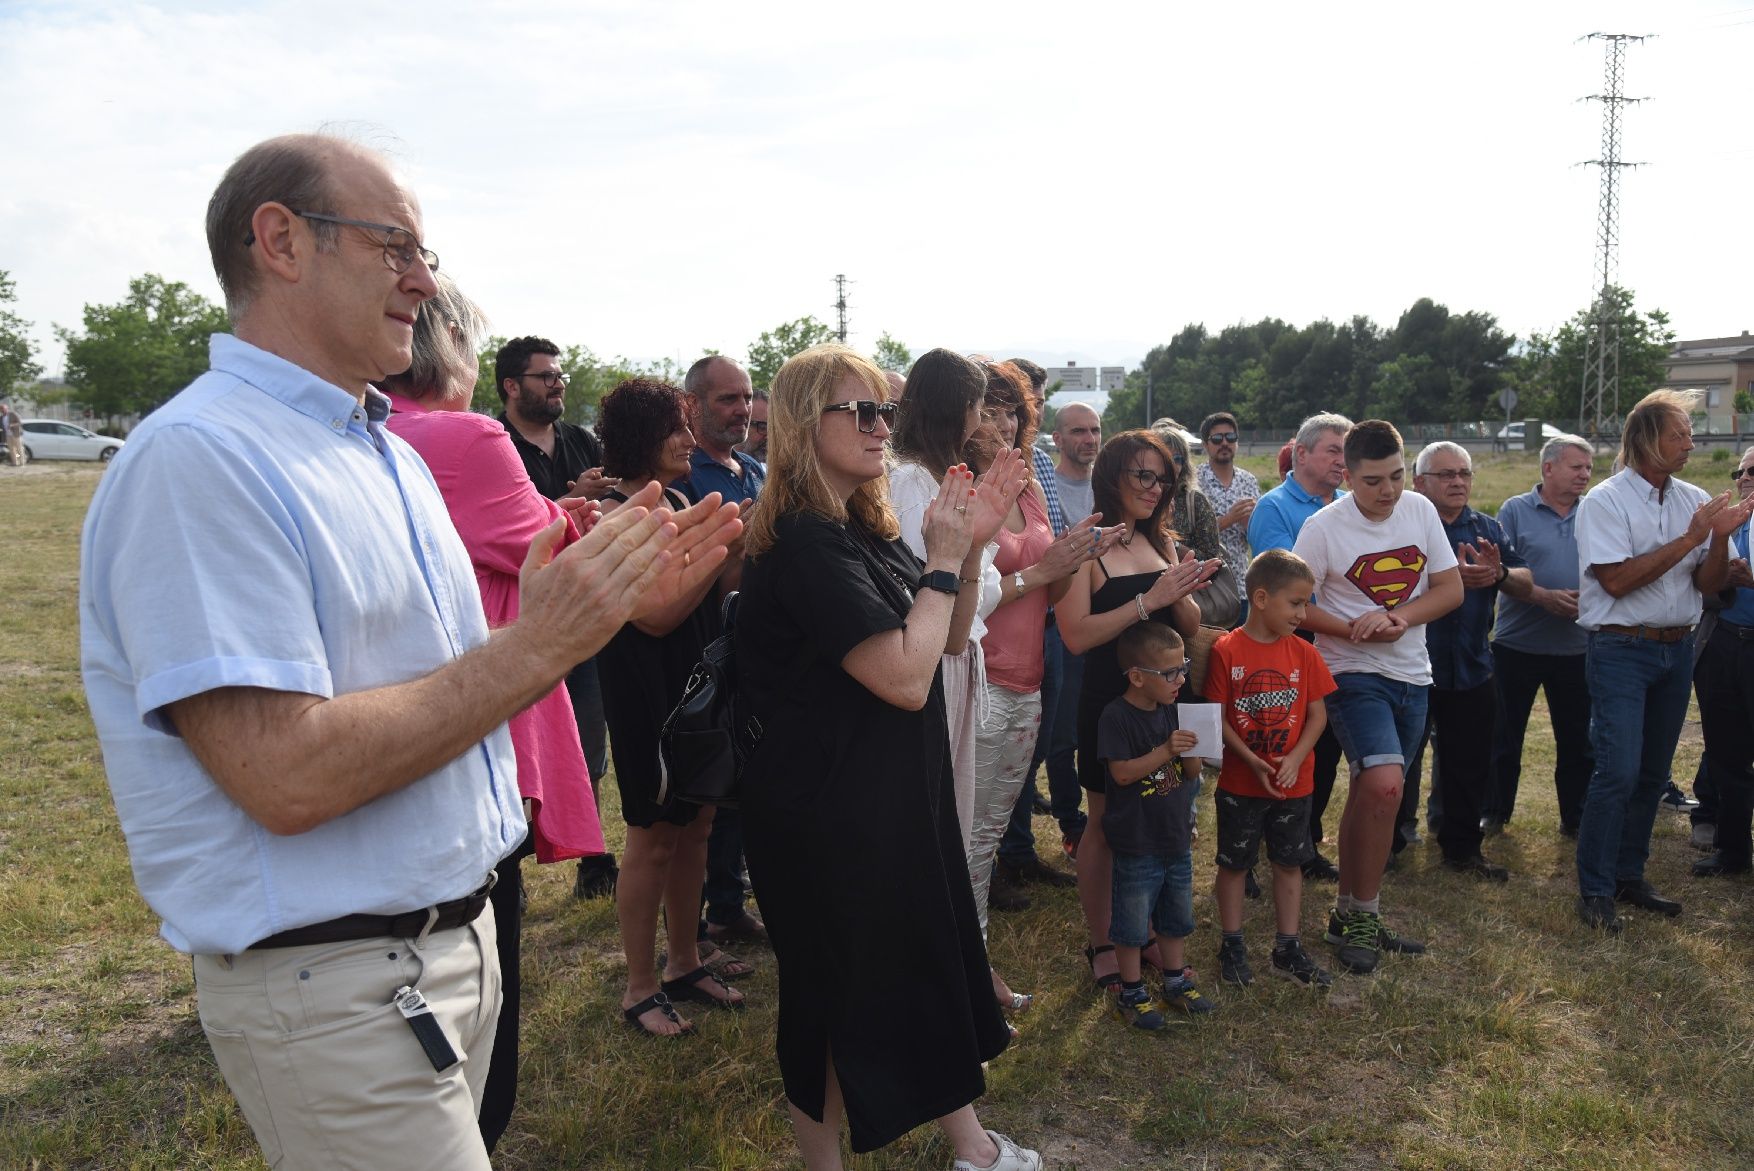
x,y
993,495
1181,579
1480,564
1733,516
592,484
1078,544
945,528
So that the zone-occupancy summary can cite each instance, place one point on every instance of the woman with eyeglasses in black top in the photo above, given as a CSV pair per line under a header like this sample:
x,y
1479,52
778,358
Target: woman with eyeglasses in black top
x,y
1145,577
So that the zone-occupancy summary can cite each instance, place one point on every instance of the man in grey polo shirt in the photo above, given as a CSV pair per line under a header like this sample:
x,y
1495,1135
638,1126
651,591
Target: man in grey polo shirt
x,y
1648,545
1538,644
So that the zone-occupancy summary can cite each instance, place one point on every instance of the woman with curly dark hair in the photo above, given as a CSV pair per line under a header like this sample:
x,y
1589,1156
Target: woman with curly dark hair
x,y
644,428
1146,577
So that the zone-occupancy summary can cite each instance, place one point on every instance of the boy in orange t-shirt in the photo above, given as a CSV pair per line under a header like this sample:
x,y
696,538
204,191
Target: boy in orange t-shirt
x,y
1270,685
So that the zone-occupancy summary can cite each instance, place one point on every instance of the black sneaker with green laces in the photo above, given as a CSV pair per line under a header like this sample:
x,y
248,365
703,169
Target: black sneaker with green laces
x,y
1362,937
1233,963
1293,963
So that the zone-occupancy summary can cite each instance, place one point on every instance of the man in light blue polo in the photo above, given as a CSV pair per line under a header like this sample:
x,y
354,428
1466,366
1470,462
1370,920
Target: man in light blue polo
x,y
300,707
1318,467
1648,545
1537,644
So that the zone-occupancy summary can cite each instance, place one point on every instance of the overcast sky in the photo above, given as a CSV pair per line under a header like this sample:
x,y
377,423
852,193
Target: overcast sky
x,y
1072,181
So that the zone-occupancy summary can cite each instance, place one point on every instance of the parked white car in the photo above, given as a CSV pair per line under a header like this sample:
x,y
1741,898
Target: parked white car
x,y
1514,432
52,439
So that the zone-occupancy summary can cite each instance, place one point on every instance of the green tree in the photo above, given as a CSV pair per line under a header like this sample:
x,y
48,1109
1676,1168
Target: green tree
x,y
1552,364
769,352
137,353
891,354
17,352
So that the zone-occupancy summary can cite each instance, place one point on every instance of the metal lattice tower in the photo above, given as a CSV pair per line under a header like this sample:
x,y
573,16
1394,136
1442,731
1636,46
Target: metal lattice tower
x,y
840,305
1599,404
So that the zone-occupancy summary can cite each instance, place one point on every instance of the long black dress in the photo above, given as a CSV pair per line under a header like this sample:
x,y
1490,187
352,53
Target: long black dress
x,y
853,846
1103,679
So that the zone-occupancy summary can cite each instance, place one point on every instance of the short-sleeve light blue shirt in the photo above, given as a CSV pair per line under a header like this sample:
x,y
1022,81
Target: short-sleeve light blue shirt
x,y
1280,513
262,529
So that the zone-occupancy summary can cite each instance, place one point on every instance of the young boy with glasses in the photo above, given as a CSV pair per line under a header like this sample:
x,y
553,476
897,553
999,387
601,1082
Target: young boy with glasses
x,y
1383,569
1148,819
1271,687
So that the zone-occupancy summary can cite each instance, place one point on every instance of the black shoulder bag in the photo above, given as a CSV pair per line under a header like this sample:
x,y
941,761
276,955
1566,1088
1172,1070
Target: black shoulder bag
x,y
708,738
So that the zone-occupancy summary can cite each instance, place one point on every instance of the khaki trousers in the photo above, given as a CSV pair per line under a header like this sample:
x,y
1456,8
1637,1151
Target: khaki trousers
x,y
326,1069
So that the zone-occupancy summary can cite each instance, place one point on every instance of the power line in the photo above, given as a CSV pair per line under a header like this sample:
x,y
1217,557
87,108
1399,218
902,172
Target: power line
x,y
1599,403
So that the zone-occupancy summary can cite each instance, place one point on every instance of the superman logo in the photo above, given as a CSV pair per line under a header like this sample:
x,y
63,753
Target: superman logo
x,y
1388,578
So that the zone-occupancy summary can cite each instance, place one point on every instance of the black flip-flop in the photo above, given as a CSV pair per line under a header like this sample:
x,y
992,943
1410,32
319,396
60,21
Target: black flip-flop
x,y
687,987
660,1001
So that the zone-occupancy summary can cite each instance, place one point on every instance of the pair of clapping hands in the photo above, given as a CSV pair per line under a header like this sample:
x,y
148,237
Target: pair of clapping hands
x,y
631,564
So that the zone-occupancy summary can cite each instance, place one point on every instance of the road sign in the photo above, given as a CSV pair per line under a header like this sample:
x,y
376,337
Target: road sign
x,y
1507,400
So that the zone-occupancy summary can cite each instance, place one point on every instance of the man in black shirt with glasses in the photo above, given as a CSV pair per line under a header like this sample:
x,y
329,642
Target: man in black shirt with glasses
x,y
563,459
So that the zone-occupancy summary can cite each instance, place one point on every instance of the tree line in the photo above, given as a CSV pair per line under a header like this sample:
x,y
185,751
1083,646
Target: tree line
x,y
1434,365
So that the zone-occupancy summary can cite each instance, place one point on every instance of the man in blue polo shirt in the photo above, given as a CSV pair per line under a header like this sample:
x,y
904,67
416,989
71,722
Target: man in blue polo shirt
x,y
722,398
1462,701
1538,643
1318,466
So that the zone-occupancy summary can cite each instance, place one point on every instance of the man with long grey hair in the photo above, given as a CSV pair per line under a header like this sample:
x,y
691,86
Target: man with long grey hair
x,y
1648,545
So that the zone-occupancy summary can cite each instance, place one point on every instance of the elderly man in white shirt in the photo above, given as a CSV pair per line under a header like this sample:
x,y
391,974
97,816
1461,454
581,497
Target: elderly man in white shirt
x,y
1648,546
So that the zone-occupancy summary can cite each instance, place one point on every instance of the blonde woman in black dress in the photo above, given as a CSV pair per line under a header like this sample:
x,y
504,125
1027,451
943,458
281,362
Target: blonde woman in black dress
x,y
887,1009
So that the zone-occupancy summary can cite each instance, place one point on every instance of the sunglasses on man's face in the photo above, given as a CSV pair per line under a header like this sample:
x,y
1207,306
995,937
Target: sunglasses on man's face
x,y
867,411
1221,437
1738,473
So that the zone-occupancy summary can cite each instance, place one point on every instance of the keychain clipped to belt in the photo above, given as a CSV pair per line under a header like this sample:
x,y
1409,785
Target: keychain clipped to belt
x,y
431,1035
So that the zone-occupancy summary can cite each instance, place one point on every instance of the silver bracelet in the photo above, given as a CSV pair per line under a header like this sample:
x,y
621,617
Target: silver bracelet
x,y
1139,601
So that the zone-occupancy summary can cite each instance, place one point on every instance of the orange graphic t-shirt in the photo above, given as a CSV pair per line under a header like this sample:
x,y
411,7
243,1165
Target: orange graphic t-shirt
x,y
1265,690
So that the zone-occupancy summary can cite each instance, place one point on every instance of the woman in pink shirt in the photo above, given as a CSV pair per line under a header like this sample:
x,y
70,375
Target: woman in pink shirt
x,y
1034,570
497,510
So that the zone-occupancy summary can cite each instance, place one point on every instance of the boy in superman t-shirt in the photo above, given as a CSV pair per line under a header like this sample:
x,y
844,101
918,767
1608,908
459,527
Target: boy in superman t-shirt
x,y
1383,569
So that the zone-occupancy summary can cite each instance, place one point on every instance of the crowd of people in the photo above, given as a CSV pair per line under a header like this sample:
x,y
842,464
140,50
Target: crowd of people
x,y
409,638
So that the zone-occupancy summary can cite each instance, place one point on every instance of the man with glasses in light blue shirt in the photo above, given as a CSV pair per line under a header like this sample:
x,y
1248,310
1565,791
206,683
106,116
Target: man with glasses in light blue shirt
x,y
300,706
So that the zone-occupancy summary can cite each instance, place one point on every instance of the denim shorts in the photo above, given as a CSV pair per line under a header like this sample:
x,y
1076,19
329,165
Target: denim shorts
x,y
1151,890
1244,821
1376,719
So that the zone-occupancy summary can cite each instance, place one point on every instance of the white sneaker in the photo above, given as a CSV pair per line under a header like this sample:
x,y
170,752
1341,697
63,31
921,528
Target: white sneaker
x,y
1011,1157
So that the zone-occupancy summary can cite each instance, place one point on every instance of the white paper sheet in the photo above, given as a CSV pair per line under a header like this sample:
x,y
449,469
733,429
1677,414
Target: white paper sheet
x,y
1202,720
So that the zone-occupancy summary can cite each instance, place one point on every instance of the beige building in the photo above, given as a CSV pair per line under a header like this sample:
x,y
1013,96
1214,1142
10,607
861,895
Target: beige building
x,y
1717,367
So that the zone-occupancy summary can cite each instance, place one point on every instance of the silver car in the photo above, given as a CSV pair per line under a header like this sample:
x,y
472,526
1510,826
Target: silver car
x,y
52,439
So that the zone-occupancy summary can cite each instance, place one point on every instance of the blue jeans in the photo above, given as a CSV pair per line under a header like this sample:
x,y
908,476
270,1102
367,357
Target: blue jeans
x,y
1151,891
1377,720
1638,700
1057,744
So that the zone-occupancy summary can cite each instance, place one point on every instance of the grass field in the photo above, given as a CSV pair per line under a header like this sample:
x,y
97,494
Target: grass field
x,y
1522,1041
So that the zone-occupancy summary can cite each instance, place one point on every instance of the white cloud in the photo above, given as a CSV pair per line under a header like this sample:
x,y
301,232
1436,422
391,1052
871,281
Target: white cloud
x,y
653,179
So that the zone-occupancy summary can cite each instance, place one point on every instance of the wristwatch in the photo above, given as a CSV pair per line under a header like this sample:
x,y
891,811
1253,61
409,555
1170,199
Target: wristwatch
x,y
941,580
1017,583
1503,572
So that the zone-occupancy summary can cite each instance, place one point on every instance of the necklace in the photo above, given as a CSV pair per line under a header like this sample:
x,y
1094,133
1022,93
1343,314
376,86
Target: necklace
x,y
1126,539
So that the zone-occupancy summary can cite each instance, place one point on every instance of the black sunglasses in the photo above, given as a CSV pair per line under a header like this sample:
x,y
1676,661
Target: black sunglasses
x,y
868,412
1738,473
1221,437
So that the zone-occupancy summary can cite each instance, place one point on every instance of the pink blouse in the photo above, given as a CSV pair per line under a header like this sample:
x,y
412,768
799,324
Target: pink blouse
x,y
1013,644
497,511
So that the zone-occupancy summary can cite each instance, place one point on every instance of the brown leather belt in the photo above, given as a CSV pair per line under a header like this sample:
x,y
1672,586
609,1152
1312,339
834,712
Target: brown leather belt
x,y
408,925
1648,633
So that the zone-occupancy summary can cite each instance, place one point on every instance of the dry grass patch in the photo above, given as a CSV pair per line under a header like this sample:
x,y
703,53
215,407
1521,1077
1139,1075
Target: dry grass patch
x,y
1522,1041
